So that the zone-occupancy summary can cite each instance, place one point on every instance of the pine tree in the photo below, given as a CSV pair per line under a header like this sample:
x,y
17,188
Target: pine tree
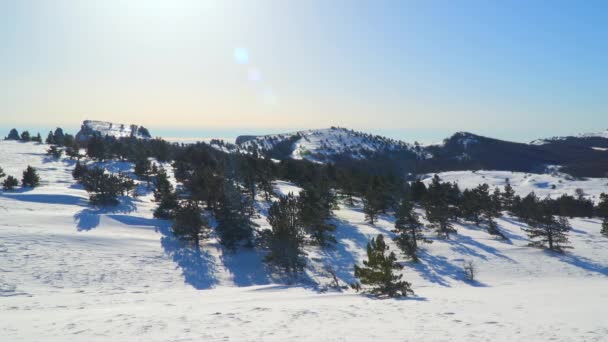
x,y
37,138
79,170
491,211
13,135
437,209
189,223
286,239
59,137
30,178
409,230
105,188
50,139
548,231
602,211
25,136
54,151
371,204
10,183
418,191
142,168
508,195
234,224
377,272
316,203
2,174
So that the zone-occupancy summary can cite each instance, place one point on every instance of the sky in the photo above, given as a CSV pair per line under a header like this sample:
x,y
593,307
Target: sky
x,y
413,70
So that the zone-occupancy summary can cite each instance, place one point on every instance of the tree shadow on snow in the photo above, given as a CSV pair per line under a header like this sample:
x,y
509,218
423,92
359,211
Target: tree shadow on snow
x,y
247,267
579,261
197,265
22,195
90,218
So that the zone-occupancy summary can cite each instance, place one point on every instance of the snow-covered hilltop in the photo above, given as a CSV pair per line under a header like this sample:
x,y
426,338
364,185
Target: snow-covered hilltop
x,y
320,145
90,128
601,135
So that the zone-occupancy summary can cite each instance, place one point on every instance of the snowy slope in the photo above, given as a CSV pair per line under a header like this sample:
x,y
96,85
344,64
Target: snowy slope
x,y
73,272
603,134
102,128
323,144
543,185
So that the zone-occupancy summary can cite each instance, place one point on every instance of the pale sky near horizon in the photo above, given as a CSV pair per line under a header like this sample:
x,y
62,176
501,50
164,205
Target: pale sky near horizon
x,y
514,70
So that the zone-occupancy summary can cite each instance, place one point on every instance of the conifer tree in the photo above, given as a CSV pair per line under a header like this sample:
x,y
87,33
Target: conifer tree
x,y
316,203
13,135
548,230
377,272
50,139
233,214
79,170
409,230
189,223
37,138
54,151
437,209
10,183
602,211
25,136
372,206
508,195
286,239
2,174
30,178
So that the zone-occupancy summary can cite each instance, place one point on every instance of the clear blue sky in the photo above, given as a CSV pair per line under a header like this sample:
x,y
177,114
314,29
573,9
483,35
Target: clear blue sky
x,y
416,70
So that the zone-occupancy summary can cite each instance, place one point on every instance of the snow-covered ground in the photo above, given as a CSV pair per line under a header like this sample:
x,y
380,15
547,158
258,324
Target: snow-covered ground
x,y
552,185
73,272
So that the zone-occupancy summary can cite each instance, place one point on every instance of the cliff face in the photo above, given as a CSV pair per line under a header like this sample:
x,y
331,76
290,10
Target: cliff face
x,y
91,128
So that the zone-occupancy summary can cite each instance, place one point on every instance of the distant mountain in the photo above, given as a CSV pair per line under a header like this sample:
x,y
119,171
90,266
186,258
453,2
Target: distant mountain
x,y
318,145
585,155
90,128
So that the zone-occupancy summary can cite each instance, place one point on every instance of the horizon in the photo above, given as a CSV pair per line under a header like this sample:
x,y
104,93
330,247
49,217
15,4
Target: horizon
x,y
416,71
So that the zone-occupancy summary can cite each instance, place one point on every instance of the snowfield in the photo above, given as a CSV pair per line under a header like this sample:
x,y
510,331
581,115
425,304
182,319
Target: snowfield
x,y
69,271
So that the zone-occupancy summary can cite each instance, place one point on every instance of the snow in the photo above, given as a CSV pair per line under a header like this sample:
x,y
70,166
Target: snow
x,y
552,185
116,130
603,134
69,271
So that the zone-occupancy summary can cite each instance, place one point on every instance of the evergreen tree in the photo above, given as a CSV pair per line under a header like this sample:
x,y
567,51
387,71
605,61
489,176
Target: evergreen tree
x,y
79,170
418,191
409,230
25,136
10,183
37,138
13,135
602,211
189,223
508,195
96,148
286,239
437,209
2,174
372,206
233,214
50,139
59,137
316,203
164,195
105,188
54,151
377,272
548,231
30,178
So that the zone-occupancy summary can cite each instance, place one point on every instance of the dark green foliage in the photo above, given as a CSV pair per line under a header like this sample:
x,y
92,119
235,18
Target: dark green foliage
x,y
233,214
50,139
164,195
547,230
602,211
37,138
2,174
30,178
25,136
59,137
13,135
286,239
104,188
316,203
437,209
142,168
54,151
418,191
508,195
79,170
189,223
10,183
96,148
409,230
372,204
377,272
